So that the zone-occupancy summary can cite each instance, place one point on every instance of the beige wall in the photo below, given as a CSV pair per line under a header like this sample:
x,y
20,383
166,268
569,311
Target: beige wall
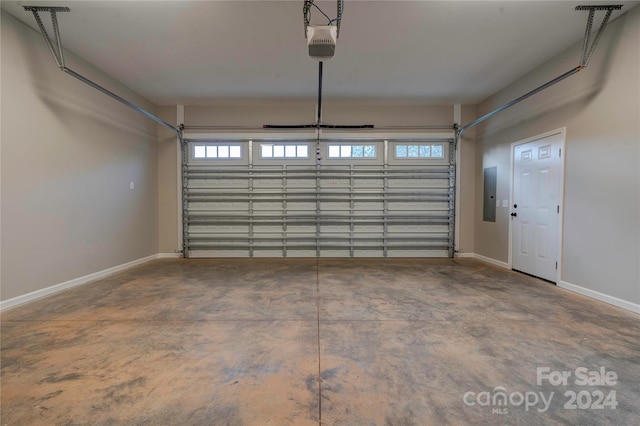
x,y
65,186
168,179
388,115
305,113
466,183
66,202
248,115
600,108
68,156
69,153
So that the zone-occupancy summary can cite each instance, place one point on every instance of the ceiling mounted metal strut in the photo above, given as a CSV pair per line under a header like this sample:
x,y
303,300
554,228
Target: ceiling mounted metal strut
x,y
306,14
588,48
55,46
56,50
319,119
319,124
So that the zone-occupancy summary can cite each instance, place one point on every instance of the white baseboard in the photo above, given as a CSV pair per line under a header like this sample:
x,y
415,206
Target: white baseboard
x,y
485,259
5,304
19,300
624,304
168,256
620,303
464,255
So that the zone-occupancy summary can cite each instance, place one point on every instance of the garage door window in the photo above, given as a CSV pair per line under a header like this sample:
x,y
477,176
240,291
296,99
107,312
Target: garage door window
x,y
352,151
419,151
284,151
217,152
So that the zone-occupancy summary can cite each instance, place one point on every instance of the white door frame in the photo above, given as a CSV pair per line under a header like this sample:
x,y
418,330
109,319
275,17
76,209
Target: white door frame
x,y
562,132
179,121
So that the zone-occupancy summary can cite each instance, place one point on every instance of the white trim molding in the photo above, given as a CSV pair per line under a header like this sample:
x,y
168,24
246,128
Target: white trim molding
x,y
485,259
601,297
167,256
180,231
464,255
57,288
620,303
495,262
457,118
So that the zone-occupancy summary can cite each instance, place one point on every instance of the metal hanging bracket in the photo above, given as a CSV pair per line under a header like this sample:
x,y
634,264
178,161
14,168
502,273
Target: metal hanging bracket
x,y
56,49
306,14
589,45
588,48
55,46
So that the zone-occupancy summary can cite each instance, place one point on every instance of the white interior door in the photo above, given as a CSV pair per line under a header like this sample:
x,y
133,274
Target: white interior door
x,y
535,211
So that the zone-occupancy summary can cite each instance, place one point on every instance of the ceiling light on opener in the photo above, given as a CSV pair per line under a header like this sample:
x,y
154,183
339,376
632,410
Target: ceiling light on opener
x,y
321,40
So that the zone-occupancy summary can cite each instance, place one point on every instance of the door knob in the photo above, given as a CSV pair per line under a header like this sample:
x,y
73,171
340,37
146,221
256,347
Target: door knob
x,y
514,214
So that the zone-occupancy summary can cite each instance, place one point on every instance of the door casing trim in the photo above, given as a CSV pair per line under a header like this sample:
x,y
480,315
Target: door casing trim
x,y
563,133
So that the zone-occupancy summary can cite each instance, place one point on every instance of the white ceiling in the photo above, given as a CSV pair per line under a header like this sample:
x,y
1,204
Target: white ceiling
x,y
211,52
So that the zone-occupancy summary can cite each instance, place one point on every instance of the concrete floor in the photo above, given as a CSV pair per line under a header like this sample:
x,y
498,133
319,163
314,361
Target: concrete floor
x,y
308,342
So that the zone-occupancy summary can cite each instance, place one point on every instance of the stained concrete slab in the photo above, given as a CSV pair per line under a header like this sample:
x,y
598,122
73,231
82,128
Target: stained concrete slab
x,y
150,372
413,373
406,347
308,341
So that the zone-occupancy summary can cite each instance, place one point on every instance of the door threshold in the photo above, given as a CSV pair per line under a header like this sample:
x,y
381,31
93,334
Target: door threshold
x,y
535,276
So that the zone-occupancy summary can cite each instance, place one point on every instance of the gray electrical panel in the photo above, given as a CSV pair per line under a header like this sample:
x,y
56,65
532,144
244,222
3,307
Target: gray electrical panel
x,y
489,200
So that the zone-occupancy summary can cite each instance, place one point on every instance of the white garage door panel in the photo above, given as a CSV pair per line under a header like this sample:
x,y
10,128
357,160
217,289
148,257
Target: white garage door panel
x,y
346,207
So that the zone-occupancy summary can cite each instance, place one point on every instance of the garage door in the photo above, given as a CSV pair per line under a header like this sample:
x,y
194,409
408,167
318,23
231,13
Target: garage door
x,y
274,198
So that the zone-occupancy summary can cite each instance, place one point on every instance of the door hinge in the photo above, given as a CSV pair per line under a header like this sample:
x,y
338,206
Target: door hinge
x,y
556,266
558,209
560,152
